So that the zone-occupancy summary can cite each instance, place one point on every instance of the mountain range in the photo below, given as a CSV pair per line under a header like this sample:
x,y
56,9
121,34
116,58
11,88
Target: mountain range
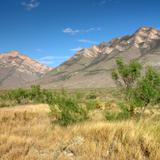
x,y
91,67
16,70
88,68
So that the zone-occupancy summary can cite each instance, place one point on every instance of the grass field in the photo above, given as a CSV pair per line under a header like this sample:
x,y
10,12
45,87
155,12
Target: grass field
x,y
26,133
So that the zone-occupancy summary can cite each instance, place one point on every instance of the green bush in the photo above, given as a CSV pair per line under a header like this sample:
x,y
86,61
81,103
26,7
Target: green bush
x,y
39,95
24,96
117,116
91,104
35,93
69,110
20,96
124,114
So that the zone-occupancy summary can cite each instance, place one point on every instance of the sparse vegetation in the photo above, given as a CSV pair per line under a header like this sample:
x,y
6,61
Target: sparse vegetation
x,y
26,133
121,115
68,108
26,96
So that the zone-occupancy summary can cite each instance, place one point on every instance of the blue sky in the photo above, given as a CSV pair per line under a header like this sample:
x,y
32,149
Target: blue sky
x,y
52,30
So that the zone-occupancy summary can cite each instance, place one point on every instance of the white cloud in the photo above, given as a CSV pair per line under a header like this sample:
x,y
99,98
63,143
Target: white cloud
x,y
31,4
75,49
93,29
71,31
50,60
75,31
87,41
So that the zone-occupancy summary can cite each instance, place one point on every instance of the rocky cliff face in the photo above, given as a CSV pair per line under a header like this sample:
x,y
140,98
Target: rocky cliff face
x,y
17,69
91,67
144,38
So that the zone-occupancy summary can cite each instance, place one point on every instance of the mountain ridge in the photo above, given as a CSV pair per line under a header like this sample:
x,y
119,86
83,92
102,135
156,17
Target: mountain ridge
x,y
91,67
88,68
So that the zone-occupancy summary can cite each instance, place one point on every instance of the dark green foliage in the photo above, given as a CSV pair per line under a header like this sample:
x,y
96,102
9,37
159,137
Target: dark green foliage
x,y
20,96
35,93
39,95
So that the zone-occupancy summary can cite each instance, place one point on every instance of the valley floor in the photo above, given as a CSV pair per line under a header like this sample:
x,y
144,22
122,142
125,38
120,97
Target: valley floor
x,y
26,133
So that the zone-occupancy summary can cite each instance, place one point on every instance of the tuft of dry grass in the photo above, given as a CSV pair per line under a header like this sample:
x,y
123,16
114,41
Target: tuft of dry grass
x,y
26,133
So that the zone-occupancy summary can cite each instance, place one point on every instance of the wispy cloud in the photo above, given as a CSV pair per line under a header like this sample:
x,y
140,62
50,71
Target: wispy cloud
x,y
102,2
75,49
87,41
71,31
39,50
75,31
50,60
93,29
31,4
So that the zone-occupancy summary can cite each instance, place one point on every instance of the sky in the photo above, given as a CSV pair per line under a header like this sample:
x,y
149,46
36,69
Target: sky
x,y
51,31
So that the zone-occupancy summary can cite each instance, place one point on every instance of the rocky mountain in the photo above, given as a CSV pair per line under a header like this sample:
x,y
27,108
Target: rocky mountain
x,y
16,70
91,67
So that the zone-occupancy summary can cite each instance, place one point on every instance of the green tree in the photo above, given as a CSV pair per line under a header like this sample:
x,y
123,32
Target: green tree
x,y
140,90
126,74
147,90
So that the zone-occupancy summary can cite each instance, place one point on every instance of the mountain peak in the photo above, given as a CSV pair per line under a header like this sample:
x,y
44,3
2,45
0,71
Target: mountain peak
x,y
14,53
144,28
146,35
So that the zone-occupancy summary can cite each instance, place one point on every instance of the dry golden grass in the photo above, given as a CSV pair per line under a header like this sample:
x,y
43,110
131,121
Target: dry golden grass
x,y
26,133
